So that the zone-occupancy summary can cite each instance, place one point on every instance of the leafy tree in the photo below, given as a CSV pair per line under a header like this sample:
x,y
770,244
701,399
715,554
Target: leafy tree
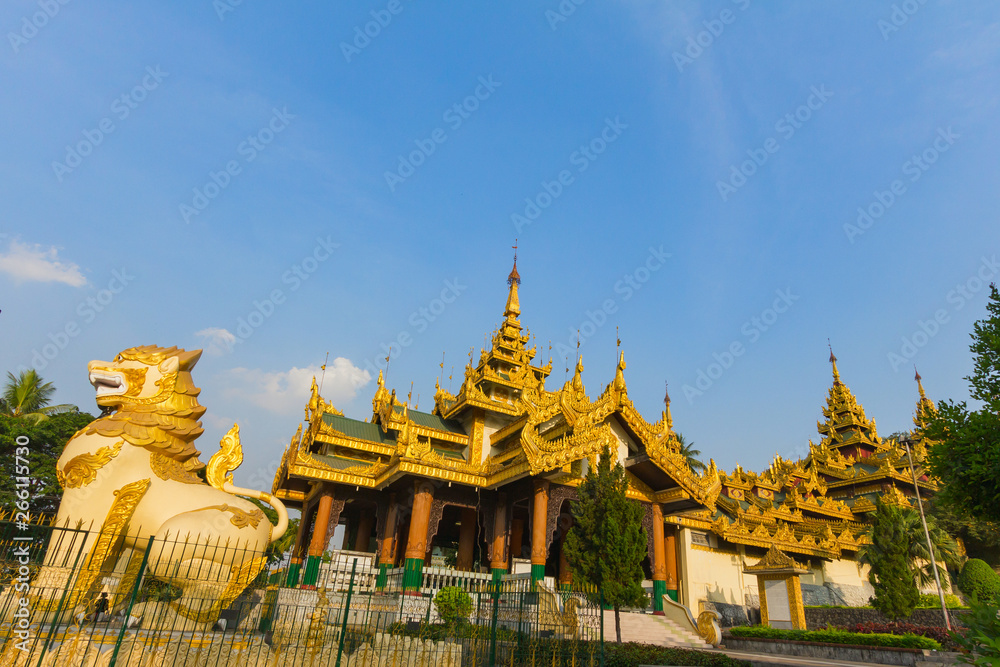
x,y
607,543
453,605
688,451
980,537
46,440
27,396
966,457
888,556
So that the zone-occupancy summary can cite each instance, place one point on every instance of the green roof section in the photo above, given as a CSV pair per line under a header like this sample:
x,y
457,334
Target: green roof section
x,y
433,421
353,428
338,462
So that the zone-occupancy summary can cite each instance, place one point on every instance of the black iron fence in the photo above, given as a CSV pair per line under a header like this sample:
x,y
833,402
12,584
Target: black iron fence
x,y
76,597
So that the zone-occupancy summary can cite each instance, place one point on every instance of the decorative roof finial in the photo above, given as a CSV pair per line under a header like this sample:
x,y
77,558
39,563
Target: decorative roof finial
x,y
666,395
513,307
833,360
514,276
920,385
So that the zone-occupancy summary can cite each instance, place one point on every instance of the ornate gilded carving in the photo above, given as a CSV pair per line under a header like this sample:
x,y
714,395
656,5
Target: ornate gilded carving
x,y
82,469
241,518
167,468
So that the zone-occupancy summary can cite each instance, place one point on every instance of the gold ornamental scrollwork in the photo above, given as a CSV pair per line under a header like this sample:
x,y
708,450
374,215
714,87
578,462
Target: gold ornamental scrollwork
x,y
241,518
82,470
167,468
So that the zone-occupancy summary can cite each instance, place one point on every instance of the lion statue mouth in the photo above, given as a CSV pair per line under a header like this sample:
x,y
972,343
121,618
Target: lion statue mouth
x,y
108,384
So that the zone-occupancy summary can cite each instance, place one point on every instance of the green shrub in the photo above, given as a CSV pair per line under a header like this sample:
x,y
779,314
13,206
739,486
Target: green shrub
x,y
932,601
837,637
978,580
981,639
453,605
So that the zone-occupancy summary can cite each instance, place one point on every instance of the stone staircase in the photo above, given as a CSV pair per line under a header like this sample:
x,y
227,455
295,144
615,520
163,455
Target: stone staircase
x,y
650,629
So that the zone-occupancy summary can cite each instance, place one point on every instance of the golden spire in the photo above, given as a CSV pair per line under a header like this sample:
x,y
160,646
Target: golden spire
x,y
513,308
833,360
925,406
619,381
668,420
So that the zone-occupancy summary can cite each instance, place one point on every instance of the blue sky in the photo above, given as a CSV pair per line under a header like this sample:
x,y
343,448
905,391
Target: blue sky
x,y
689,174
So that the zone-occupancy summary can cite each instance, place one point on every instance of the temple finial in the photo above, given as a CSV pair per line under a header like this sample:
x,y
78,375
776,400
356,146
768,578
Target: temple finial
x,y
513,307
833,360
920,385
514,276
666,395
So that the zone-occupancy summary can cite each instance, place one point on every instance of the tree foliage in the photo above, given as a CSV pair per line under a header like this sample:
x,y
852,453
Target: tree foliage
x,y
888,556
980,537
966,457
690,454
27,396
607,543
46,440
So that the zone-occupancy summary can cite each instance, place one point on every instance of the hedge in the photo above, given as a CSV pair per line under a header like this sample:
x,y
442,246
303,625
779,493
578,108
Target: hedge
x,y
979,580
837,637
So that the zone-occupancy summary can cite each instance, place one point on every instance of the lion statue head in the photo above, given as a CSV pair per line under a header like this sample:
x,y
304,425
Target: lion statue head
x,y
153,401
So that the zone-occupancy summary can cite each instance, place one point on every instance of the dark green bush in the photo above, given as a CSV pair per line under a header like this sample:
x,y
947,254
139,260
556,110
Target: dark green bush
x,y
453,605
837,637
979,580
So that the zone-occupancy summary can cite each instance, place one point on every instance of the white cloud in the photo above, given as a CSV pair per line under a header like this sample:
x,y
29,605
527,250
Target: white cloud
x,y
286,392
220,341
33,263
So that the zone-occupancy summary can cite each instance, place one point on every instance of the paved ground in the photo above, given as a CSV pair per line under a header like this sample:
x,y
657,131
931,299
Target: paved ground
x,y
772,660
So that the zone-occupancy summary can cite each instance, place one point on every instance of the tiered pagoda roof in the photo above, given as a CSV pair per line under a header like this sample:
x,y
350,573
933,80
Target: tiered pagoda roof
x,y
504,425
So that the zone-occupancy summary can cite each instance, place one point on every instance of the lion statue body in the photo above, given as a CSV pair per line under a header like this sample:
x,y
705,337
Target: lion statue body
x,y
132,475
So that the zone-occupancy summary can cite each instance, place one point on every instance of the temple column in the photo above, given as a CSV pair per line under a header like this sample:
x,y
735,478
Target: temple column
x,y
387,554
416,544
319,540
466,540
498,563
363,539
295,562
659,561
540,520
673,577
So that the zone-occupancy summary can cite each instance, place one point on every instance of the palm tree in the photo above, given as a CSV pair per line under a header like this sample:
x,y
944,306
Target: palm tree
x,y
691,454
27,396
906,526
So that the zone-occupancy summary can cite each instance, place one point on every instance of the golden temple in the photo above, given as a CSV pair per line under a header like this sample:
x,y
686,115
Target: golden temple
x,y
494,467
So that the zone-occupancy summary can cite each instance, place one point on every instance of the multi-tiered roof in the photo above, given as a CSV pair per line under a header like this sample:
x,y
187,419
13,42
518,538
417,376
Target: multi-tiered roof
x,y
504,426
